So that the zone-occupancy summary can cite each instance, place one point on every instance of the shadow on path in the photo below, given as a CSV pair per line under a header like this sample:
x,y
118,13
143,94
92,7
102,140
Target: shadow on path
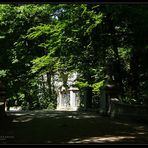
x,y
60,127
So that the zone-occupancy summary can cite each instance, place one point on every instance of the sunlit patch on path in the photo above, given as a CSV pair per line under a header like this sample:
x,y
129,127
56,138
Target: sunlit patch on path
x,y
101,139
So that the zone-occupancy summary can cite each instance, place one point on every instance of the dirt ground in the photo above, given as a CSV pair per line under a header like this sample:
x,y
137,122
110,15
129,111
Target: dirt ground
x,y
67,127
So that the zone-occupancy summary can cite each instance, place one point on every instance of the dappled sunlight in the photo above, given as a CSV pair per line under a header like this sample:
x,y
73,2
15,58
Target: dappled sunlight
x,y
141,133
100,139
81,116
55,114
23,119
20,114
122,123
139,128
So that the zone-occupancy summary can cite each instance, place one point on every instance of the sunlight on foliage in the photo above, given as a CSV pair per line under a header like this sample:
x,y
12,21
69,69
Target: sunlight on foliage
x,y
96,86
3,73
82,84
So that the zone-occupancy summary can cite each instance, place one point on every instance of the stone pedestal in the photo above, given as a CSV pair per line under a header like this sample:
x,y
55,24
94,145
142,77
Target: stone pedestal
x,y
68,99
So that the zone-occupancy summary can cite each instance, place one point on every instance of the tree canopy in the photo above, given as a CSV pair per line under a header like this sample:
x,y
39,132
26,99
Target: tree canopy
x,y
99,42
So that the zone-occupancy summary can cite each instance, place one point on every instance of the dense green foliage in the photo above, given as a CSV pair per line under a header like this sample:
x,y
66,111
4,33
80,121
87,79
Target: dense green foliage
x,y
97,41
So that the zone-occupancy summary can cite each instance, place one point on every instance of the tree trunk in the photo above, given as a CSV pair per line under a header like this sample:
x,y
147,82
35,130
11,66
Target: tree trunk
x,y
43,87
88,98
118,69
2,99
135,76
49,84
88,90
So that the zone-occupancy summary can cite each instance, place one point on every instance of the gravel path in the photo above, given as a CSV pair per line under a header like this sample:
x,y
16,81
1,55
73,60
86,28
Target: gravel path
x,y
66,127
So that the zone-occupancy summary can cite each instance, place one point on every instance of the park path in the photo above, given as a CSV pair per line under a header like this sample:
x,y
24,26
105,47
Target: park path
x,y
67,127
